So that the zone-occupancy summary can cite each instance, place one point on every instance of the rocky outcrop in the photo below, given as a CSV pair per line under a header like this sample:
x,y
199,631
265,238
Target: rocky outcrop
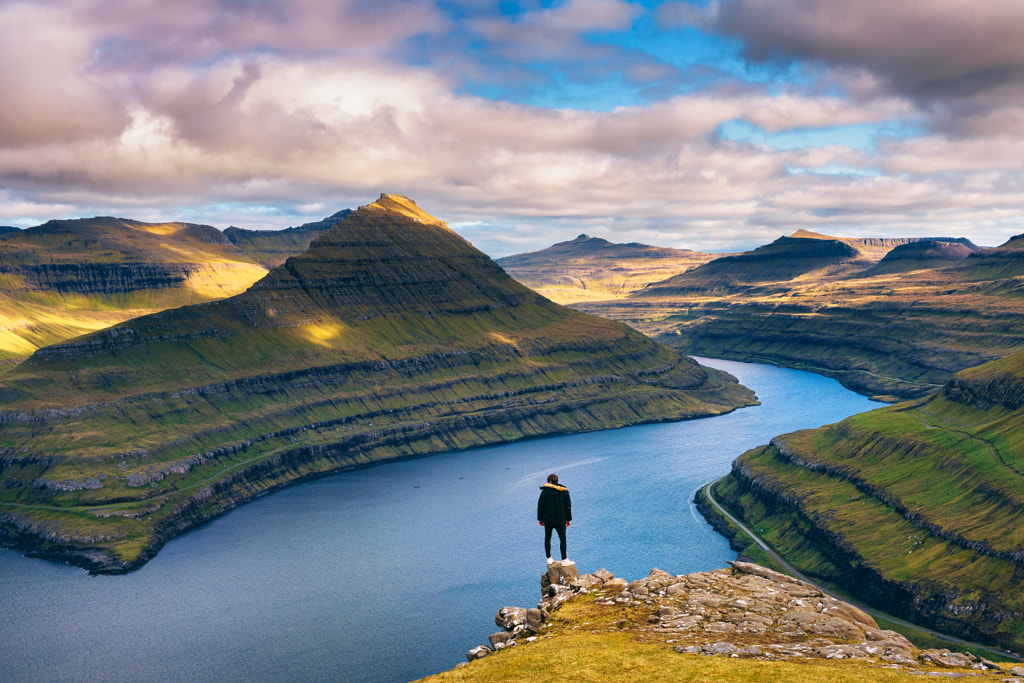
x,y
746,611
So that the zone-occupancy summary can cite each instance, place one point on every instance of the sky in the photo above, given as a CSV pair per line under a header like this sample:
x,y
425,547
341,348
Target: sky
x,y
709,125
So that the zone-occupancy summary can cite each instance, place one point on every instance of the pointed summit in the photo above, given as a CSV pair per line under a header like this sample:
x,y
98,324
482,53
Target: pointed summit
x,y
390,337
397,205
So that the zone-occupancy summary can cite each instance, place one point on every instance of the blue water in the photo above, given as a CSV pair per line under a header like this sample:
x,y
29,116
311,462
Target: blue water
x,y
394,572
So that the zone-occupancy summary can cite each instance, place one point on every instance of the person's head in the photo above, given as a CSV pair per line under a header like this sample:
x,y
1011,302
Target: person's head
x,y
552,478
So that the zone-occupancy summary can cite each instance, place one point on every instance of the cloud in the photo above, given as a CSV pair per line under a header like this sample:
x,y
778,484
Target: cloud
x,y
961,61
47,92
553,32
940,48
248,113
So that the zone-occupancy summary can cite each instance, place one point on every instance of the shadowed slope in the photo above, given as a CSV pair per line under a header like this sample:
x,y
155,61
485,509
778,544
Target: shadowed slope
x,y
390,337
914,508
784,259
271,247
922,254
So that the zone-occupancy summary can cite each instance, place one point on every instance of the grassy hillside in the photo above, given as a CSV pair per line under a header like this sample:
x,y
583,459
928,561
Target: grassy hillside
x,y
914,508
66,278
895,328
590,268
390,337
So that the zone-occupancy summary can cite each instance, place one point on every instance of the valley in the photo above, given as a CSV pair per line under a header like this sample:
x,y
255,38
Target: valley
x,y
894,327
390,337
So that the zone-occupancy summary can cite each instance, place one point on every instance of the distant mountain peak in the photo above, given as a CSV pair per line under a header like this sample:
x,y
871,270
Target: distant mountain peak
x,y
808,235
398,205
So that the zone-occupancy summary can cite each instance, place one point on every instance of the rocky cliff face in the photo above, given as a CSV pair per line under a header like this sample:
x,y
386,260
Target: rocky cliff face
x,y
390,337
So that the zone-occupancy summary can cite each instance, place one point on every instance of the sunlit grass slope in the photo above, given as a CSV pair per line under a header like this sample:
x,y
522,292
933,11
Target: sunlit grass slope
x,y
593,269
915,508
390,337
66,278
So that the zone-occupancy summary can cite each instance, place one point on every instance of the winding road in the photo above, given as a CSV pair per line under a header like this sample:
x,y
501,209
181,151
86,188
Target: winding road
x,y
1005,654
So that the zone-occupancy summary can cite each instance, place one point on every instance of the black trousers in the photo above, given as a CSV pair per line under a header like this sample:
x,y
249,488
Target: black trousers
x,y
547,539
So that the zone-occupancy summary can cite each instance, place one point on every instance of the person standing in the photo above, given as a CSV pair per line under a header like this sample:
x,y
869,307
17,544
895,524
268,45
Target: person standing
x,y
554,513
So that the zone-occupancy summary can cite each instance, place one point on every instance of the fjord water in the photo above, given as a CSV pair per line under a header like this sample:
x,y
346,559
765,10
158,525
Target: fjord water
x,y
393,572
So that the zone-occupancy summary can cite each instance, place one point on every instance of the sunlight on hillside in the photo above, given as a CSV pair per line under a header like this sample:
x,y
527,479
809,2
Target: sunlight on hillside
x,y
222,280
323,334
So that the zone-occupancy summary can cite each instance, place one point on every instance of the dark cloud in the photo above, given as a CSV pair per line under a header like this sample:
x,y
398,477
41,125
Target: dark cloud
x,y
934,49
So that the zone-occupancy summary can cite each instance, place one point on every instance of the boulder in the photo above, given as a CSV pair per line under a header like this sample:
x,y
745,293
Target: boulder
x,y
534,619
500,640
511,618
845,610
720,648
586,583
558,573
478,652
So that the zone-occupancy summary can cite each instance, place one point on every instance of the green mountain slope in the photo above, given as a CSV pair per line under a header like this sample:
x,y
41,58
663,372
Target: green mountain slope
x,y
914,508
66,278
896,329
590,268
390,337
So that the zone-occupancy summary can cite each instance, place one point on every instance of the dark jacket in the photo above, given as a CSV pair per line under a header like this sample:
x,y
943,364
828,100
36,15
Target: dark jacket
x,y
554,507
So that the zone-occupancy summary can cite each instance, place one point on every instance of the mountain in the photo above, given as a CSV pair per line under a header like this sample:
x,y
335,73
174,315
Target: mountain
x,y
876,248
390,337
894,328
923,254
271,248
4,229
785,259
1005,262
913,508
591,268
65,278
